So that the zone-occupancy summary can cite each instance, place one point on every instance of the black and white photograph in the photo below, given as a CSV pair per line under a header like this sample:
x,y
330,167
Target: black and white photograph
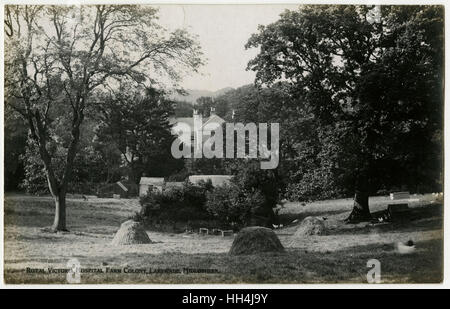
x,y
221,143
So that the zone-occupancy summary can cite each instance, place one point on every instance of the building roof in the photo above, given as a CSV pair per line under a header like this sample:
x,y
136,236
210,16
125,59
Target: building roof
x,y
190,121
155,181
174,184
216,180
214,119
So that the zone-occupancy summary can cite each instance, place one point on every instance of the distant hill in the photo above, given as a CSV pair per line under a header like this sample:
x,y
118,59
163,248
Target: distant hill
x,y
194,94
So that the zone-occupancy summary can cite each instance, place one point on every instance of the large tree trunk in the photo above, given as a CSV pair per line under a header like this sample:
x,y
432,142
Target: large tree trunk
x,y
59,224
59,196
58,193
58,189
360,211
133,174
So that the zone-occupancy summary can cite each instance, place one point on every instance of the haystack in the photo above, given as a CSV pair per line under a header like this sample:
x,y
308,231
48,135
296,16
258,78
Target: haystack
x,y
310,226
255,239
131,233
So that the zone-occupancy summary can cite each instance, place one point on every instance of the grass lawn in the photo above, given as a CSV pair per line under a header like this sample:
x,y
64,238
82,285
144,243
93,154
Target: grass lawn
x,y
338,257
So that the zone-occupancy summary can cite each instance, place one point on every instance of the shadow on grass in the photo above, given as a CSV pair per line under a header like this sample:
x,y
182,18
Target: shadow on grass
x,y
424,218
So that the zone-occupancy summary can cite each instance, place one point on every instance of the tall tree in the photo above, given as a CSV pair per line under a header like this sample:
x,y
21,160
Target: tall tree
x,y
371,74
203,105
58,56
137,124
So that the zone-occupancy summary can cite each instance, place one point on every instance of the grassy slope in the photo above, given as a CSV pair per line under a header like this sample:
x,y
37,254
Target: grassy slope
x,y
340,256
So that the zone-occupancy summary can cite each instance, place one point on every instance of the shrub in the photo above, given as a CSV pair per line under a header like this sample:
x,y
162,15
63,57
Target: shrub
x,y
202,205
250,178
185,204
315,184
234,206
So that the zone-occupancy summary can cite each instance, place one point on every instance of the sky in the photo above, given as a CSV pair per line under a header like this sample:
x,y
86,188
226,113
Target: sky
x,y
223,31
